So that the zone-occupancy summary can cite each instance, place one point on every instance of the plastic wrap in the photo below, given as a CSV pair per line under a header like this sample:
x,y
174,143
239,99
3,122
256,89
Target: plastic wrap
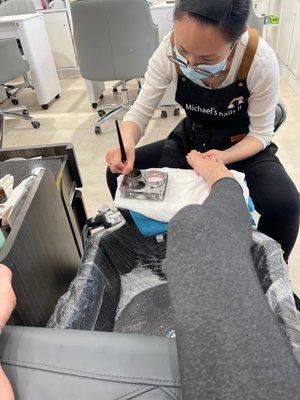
x,y
149,312
92,299
124,268
93,296
273,275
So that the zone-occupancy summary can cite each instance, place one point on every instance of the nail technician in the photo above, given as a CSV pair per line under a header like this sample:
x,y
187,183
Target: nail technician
x,y
228,84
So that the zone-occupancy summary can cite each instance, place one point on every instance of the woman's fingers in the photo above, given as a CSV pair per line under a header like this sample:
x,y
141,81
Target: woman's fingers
x,y
130,161
195,152
6,389
208,154
116,168
113,159
113,156
7,295
213,158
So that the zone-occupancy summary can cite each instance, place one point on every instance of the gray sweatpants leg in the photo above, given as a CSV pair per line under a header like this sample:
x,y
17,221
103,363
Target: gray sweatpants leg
x,y
230,345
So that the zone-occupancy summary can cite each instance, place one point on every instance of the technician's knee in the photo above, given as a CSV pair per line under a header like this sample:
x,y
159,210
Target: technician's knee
x,y
112,182
285,208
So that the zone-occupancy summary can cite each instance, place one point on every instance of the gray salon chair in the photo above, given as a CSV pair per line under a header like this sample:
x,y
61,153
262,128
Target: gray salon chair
x,y
280,116
12,66
69,365
255,21
114,41
17,7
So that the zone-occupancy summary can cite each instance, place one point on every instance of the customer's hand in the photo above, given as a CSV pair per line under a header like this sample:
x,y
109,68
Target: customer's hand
x,y
6,392
210,168
7,295
7,304
113,158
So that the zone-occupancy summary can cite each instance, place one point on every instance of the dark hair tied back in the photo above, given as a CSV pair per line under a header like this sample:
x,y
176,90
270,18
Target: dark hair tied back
x,y
233,25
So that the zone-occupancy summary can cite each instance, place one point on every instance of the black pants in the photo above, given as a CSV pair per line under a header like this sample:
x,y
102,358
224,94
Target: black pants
x,y
274,194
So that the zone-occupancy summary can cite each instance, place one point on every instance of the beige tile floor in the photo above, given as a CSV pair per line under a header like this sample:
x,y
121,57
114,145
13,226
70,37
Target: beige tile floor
x,y
71,119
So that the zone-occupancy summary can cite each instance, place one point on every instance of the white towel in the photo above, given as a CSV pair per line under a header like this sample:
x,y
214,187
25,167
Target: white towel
x,y
185,187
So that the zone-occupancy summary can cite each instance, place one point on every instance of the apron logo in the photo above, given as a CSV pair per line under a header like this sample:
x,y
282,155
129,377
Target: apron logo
x,y
231,110
236,102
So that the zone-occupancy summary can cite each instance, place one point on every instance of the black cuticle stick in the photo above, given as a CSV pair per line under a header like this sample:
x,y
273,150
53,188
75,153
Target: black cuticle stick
x,y
122,148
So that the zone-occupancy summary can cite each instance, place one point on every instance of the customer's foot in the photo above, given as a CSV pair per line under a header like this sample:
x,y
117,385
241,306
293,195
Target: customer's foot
x,y
209,168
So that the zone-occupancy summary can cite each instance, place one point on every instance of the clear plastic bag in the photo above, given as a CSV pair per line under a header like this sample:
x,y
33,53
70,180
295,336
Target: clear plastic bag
x,y
94,295
122,267
273,275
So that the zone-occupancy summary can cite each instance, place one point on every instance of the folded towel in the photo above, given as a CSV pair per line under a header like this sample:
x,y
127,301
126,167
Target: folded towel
x,y
148,226
184,187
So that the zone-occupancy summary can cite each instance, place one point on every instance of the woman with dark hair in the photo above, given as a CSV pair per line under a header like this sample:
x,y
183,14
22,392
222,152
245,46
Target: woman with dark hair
x,y
228,84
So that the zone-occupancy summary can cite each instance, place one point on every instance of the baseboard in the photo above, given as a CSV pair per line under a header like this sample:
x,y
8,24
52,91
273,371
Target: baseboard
x,y
64,72
293,82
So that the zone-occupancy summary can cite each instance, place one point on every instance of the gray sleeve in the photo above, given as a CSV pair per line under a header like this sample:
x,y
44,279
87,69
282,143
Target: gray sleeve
x,y
230,345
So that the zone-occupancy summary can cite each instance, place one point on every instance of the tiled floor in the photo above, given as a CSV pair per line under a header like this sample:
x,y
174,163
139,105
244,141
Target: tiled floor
x,y
71,119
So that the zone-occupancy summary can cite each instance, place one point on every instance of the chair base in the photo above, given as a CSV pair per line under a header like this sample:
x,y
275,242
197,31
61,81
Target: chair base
x,y
15,112
116,108
13,91
119,83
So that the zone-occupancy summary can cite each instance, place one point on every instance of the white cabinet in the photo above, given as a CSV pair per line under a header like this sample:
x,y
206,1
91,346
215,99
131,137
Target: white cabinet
x,y
286,30
61,41
162,15
288,41
271,32
294,57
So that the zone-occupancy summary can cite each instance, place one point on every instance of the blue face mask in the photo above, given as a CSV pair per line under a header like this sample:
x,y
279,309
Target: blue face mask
x,y
190,73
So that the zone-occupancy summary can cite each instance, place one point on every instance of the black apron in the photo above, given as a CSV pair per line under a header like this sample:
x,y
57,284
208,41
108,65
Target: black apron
x,y
216,118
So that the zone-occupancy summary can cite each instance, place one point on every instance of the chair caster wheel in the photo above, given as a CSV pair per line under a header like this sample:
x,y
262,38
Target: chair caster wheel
x,y
57,96
101,113
115,90
35,124
98,130
101,97
94,105
45,106
176,112
15,102
25,112
164,114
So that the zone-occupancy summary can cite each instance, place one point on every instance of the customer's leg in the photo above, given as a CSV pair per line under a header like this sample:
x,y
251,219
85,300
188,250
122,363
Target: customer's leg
x,y
276,199
230,345
145,157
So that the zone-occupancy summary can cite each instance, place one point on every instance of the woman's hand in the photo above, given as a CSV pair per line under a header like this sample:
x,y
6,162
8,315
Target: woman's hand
x,y
7,295
7,304
113,158
242,150
6,392
131,135
216,154
210,168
